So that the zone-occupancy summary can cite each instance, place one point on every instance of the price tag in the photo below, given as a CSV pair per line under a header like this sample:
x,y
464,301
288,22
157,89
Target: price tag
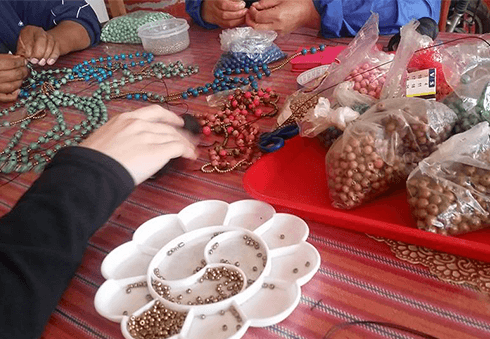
x,y
422,84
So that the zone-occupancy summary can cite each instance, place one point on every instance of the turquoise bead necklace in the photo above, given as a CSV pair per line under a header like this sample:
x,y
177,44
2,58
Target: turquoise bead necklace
x,y
41,96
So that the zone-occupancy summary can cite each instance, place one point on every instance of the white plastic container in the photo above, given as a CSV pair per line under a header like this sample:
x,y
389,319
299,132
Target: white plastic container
x,y
176,251
165,36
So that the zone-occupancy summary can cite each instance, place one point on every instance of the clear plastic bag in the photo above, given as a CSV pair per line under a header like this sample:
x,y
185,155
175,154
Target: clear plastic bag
x,y
245,47
124,29
379,149
299,104
345,97
396,78
467,69
323,117
449,192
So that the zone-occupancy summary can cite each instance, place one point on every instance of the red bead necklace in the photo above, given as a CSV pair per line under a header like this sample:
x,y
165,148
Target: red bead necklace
x,y
236,124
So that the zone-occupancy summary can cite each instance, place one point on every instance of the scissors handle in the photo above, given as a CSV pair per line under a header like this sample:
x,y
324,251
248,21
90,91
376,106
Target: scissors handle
x,y
271,144
288,131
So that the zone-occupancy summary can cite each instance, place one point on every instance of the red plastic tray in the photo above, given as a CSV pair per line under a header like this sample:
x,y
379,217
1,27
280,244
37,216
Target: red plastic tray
x,y
293,180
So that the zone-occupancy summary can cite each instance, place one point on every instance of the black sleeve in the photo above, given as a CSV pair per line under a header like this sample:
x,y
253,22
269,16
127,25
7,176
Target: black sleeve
x,y
43,238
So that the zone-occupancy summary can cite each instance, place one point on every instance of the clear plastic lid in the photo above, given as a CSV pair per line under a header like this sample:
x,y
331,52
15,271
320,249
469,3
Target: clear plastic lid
x,y
163,28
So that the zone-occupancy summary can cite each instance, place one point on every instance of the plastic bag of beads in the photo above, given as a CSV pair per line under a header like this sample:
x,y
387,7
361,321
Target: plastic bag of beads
x,y
124,29
299,103
449,192
468,65
396,78
245,50
323,116
347,60
361,62
379,149
345,96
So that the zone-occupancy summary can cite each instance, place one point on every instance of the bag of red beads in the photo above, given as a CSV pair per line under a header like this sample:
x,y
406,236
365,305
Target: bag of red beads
x,y
449,192
379,149
361,60
367,68
246,50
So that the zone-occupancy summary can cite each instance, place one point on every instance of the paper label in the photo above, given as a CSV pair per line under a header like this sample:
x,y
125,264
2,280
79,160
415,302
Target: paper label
x,y
422,84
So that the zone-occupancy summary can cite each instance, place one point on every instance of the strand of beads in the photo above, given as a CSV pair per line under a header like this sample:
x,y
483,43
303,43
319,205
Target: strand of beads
x,y
41,97
229,78
235,122
35,155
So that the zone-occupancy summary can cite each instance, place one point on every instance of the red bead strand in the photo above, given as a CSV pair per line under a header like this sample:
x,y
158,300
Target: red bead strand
x,y
236,123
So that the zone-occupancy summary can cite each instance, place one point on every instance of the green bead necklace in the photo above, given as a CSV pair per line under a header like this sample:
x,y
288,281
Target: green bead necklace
x,y
42,98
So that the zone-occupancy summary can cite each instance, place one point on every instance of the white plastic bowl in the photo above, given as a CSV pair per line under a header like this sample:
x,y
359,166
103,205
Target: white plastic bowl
x,y
165,36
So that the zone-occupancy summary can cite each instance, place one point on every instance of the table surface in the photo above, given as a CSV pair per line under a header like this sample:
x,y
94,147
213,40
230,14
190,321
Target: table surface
x,y
360,277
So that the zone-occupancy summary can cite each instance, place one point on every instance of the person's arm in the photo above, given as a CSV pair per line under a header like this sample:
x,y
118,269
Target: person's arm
x,y
66,27
43,238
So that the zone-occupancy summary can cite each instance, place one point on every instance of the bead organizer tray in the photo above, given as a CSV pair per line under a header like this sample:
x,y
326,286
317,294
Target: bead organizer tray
x,y
293,180
213,270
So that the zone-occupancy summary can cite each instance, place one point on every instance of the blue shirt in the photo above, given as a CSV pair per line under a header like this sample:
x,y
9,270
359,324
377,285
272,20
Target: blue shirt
x,y
345,17
14,15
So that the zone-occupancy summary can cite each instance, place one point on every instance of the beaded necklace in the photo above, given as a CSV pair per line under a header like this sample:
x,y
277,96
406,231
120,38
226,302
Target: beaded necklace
x,y
41,97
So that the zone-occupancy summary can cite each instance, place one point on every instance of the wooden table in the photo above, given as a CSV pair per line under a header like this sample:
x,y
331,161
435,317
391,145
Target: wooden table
x,y
360,278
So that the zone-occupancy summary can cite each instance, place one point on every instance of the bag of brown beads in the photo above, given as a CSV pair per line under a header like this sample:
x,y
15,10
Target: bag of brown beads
x,y
380,148
449,191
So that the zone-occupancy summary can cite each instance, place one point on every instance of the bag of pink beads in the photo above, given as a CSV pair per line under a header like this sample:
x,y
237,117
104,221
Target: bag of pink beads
x,y
379,149
449,191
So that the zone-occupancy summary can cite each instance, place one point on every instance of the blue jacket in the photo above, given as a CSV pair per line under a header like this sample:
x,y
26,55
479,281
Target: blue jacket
x,y
346,17
14,15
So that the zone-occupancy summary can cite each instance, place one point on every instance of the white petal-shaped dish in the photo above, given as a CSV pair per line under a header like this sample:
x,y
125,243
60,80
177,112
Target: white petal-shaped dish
x,y
222,267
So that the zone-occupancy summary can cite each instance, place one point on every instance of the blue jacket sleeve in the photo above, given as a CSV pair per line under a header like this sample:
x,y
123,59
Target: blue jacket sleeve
x,y
44,236
345,17
193,8
14,15
78,11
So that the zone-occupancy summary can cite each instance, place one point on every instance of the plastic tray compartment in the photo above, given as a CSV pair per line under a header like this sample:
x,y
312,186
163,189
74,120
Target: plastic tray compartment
x,y
165,36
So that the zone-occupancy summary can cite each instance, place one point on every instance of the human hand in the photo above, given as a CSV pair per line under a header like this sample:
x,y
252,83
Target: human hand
x,y
224,13
282,16
38,46
13,70
143,141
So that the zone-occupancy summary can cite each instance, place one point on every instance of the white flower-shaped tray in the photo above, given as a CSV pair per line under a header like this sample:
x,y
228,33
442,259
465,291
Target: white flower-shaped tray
x,y
222,267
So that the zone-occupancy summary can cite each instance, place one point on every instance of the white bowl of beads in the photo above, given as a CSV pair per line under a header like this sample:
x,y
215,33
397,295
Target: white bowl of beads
x,y
214,268
165,36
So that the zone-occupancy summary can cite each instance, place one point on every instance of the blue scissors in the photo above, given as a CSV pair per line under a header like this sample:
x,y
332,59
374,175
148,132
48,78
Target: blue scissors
x,y
273,141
